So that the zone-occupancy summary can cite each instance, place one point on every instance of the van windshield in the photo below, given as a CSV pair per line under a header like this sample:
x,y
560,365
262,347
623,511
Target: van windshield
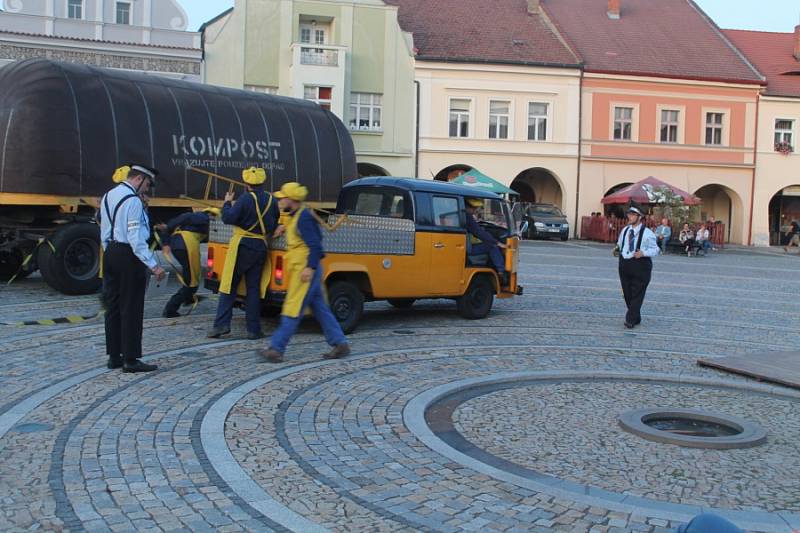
x,y
492,213
546,210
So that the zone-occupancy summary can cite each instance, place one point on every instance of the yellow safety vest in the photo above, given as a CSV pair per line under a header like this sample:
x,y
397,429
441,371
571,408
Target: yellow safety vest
x,y
296,260
233,249
192,241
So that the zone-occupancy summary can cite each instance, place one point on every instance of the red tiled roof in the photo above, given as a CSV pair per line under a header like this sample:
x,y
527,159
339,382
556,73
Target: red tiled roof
x,y
772,54
663,38
486,31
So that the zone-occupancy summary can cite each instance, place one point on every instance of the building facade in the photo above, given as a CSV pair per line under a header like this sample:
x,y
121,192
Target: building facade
x,y
776,202
664,94
507,106
348,56
142,35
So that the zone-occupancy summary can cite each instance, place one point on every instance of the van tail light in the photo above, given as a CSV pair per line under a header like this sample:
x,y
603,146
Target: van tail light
x,y
210,261
279,270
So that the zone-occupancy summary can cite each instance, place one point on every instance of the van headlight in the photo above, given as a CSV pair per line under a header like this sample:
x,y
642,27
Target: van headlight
x,y
539,224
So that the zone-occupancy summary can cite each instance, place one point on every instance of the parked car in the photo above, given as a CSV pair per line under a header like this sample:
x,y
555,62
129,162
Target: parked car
x,y
544,221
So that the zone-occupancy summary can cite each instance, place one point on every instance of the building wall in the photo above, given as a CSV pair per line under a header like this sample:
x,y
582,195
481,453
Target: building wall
x,y
374,56
774,171
502,159
689,164
153,14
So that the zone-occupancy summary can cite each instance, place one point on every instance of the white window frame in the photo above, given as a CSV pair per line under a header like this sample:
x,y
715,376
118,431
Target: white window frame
x,y
786,135
726,113
317,100
265,89
130,12
622,121
508,116
548,118
366,102
469,113
300,36
82,8
634,120
680,125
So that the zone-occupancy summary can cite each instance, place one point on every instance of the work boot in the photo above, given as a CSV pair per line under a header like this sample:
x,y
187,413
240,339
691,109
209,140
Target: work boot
x,y
137,366
114,362
255,336
272,355
338,351
170,314
217,332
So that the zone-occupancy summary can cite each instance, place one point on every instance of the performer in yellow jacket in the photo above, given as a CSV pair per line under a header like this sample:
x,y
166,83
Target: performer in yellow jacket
x,y
303,256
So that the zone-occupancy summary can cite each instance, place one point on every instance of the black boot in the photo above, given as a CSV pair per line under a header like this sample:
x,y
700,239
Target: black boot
x,y
114,362
137,366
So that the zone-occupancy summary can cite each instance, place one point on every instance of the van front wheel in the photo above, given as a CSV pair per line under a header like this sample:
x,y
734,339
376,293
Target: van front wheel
x,y
477,301
347,304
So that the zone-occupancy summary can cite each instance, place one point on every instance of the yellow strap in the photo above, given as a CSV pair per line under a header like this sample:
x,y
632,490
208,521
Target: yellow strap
x,y
260,216
28,258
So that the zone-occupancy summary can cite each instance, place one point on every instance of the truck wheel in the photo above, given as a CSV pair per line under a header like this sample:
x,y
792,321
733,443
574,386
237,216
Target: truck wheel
x,y
347,304
477,301
73,267
401,303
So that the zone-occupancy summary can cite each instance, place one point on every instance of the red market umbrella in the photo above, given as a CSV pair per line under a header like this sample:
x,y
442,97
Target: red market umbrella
x,y
645,192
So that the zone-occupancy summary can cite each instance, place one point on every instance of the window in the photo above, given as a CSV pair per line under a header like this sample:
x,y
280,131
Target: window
x,y
669,126
623,123
537,121
498,119
75,9
123,12
377,201
261,89
365,111
459,117
319,36
320,95
445,212
714,128
305,35
783,132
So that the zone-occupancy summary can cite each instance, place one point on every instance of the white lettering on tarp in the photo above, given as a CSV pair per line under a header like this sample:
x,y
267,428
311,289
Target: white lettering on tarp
x,y
224,147
216,163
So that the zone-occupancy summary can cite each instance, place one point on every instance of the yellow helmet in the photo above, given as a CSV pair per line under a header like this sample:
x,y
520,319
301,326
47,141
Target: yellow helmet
x,y
213,211
254,176
474,202
292,191
121,174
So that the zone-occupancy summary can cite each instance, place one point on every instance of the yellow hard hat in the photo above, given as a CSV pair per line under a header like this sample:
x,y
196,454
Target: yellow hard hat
x,y
474,202
254,176
121,174
213,211
292,191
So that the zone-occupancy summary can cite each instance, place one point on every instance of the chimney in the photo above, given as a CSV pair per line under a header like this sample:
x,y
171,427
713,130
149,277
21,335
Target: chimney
x,y
613,9
533,6
797,42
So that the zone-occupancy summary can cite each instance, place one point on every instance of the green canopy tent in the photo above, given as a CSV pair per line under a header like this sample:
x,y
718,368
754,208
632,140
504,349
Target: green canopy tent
x,y
479,180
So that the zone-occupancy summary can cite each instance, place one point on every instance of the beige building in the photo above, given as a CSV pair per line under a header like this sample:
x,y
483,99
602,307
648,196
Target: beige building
x,y
348,56
776,202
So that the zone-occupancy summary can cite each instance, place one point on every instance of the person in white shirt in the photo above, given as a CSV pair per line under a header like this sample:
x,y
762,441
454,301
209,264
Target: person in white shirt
x,y
637,245
701,238
124,231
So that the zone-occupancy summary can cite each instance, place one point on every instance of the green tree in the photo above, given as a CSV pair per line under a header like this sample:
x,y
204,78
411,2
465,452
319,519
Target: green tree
x,y
667,204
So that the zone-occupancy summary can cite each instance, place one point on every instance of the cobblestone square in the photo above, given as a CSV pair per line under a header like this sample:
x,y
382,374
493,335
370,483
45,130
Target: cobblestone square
x,y
218,440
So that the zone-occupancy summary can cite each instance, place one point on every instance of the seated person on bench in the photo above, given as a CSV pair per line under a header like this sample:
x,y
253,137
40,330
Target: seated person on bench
x,y
488,245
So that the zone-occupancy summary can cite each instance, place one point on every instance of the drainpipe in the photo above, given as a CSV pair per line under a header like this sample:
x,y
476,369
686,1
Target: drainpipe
x,y
753,181
416,134
580,151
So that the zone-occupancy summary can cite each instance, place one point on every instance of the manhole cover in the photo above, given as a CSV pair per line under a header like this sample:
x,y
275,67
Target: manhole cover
x,y
31,427
692,428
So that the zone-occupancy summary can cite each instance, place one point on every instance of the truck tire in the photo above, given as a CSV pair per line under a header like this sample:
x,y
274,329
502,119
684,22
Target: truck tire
x,y
477,301
401,303
73,267
347,304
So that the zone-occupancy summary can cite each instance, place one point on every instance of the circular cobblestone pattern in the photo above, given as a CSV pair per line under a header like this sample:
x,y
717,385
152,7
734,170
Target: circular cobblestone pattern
x,y
216,440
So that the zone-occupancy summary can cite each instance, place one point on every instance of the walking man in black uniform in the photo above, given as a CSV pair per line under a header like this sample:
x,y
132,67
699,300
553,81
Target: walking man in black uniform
x,y
124,230
637,244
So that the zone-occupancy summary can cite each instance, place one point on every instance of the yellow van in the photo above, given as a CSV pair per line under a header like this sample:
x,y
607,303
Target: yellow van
x,y
404,240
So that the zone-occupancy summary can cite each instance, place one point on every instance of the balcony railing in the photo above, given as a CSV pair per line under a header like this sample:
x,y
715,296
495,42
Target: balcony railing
x,y
324,57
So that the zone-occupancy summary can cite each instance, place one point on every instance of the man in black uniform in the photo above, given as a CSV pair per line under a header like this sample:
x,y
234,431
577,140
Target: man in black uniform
x,y
637,244
124,230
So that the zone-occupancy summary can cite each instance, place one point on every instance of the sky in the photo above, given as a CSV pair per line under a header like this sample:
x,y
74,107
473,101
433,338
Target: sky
x,y
764,15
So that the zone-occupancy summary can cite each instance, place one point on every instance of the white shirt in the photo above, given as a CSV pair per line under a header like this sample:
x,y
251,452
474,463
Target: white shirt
x,y
132,225
702,235
649,244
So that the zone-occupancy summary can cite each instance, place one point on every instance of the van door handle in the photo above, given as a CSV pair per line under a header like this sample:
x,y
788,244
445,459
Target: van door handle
x,y
438,245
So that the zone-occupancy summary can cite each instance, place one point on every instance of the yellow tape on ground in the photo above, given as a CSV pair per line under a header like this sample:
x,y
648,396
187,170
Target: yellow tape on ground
x,y
71,319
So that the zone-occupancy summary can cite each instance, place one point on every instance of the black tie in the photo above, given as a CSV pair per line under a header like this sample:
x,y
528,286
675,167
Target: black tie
x,y
630,240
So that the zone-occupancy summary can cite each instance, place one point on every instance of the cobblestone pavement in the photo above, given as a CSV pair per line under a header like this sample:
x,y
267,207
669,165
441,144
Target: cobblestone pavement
x,y
218,441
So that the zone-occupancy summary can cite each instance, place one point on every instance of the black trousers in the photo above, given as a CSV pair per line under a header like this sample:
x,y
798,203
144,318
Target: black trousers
x,y
185,295
634,276
125,283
